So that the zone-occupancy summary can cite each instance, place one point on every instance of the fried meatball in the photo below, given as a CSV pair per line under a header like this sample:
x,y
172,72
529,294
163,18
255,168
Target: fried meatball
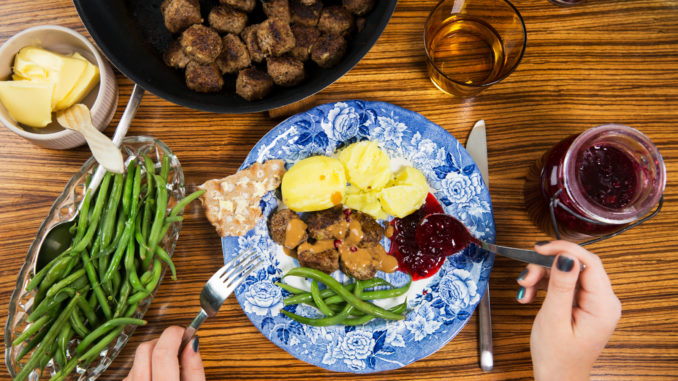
x,y
234,55
361,264
372,230
328,50
253,84
249,36
327,224
308,2
174,56
241,5
203,78
275,37
277,9
305,14
202,44
180,14
327,261
226,19
336,20
304,36
285,71
359,7
360,23
277,226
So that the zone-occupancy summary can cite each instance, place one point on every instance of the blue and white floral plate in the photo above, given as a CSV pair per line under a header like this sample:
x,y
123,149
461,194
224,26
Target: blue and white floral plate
x,y
438,307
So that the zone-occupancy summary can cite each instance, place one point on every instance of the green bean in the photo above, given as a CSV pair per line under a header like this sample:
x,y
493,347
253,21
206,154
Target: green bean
x,y
49,338
66,370
340,290
40,275
304,296
130,267
138,297
55,273
32,344
96,287
136,191
400,308
106,251
96,215
87,309
292,289
80,282
45,306
64,337
31,329
160,210
98,347
318,300
145,231
65,282
122,298
332,320
170,221
179,207
94,252
146,277
165,168
137,232
77,324
162,254
71,265
103,329
59,359
116,279
155,278
373,295
131,309
108,223
83,216
127,188
117,257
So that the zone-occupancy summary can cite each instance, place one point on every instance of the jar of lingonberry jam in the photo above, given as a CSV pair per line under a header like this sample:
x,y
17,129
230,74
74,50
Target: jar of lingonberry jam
x,y
602,179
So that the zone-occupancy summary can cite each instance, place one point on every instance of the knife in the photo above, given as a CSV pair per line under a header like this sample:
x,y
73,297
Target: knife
x,y
476,145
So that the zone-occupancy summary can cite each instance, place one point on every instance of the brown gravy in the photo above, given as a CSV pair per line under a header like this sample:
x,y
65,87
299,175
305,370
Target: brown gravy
x,y
294,233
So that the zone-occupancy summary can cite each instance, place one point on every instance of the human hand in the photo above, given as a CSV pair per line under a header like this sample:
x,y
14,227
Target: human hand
x,y
158,359
578,316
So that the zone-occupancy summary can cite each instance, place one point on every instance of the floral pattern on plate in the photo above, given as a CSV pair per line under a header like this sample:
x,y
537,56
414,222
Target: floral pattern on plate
x,y
438,307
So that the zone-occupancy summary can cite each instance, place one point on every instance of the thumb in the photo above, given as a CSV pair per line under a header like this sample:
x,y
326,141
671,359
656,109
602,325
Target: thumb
x,y
191,363
557,306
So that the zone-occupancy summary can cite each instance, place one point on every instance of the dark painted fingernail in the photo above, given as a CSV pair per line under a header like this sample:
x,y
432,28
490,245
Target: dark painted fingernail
x,y
196,344
564,263
541,243
522,274
521,293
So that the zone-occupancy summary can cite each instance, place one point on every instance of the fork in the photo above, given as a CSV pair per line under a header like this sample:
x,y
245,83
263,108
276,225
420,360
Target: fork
x,y
219,287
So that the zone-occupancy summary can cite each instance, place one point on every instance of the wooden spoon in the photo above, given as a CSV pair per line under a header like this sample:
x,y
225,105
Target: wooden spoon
x,y
78,118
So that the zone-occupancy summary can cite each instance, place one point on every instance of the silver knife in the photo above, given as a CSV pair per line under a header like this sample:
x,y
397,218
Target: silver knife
x,y
476,145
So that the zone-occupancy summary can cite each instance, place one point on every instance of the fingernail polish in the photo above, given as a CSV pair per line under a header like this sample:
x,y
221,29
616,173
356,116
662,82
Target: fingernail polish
x,y
564,263
522,274
521,293
196,344
541,243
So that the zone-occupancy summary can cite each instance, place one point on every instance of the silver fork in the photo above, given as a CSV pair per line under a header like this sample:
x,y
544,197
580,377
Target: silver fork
x,y
219,287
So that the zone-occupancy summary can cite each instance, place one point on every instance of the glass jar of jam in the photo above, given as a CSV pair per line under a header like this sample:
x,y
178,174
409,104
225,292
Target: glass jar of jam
x,y
602,179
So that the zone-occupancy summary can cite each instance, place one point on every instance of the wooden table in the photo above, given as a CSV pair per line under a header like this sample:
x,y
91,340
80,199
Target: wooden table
x,y
603,61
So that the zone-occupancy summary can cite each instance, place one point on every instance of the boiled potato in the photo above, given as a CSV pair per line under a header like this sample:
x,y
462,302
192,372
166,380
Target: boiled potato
x,y
367,167
406,193
314,183
366,202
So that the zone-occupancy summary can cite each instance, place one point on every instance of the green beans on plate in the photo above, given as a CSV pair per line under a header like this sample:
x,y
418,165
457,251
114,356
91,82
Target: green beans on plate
x,y
87,295
342,304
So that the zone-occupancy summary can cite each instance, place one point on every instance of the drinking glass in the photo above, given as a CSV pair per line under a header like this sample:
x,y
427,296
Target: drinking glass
x,y
472,44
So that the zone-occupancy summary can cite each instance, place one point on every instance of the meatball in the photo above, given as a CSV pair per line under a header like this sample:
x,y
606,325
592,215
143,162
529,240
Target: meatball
x,y
336,20
241,5
372,230
327,224
277,225
180,14
360,23
201,43
277,9
308,2
174,56
226,19
203,78
253,84
275,37
359,7
327,261
234,55
361,264
328,50
304,36
305,14
249,36
285,71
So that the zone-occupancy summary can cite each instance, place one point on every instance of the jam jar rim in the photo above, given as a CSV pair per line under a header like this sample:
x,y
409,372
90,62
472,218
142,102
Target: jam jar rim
x,y
594,211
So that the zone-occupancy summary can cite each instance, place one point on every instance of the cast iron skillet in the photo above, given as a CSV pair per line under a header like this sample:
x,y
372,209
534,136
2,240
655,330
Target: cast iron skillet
x,y
131,33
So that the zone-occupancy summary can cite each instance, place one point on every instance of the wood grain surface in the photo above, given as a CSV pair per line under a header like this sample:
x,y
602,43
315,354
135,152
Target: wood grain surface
x,y
603,61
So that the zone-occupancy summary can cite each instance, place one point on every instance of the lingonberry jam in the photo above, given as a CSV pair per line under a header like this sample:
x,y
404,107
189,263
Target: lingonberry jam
x,y
422,240
607,177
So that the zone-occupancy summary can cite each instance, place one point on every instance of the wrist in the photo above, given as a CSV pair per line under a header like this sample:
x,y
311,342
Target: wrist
x,y
562,373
